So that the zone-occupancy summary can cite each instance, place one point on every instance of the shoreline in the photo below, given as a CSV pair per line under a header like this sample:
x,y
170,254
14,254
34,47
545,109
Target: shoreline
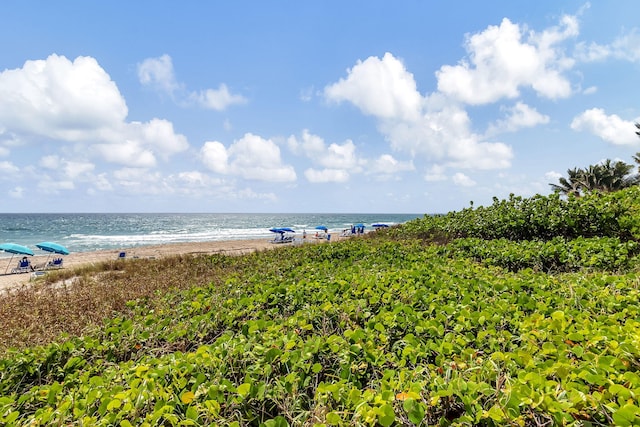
x,y
76,259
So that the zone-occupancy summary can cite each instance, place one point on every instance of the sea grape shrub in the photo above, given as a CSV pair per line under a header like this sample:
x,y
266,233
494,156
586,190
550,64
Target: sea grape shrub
x,y
538,218
553,256
369,332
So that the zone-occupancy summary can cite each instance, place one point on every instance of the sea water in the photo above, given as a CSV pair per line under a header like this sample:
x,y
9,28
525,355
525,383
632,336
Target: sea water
x,y
90,232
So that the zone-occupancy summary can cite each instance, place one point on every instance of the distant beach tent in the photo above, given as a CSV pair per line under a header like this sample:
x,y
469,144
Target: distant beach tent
x,y
14,249
282,231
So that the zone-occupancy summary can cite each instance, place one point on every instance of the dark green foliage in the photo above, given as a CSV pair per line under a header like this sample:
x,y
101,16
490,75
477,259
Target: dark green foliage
x,y
538,218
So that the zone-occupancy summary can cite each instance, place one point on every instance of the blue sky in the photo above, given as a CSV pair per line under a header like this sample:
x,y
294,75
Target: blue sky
x,y
331,106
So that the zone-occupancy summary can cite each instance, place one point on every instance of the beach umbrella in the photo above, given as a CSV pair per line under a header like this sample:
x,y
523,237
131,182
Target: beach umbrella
x,y
52,248
322,227
379,225
14,249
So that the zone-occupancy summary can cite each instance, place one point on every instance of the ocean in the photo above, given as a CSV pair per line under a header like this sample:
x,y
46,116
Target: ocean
x,y
91,231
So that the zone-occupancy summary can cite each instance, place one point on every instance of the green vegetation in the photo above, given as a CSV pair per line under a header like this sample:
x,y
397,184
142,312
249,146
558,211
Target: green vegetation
x,y
523,313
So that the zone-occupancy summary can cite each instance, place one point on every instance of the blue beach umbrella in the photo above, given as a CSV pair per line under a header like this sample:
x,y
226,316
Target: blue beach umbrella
x,y
53,248
322,227
14,249
379,225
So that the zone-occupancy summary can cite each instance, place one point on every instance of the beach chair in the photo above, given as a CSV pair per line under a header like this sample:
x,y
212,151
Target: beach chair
x,y
24,266
55,263
122,255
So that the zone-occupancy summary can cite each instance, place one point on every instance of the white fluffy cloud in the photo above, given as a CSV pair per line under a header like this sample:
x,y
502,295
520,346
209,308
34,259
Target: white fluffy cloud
x,y
158,73
463,180
501,62
379,87
251,157
517,117
610,128
433,127
387,164
60,99
76,101
336,162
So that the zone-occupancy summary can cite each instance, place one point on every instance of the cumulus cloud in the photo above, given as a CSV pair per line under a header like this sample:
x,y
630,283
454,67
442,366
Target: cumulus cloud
x,y
610,128
127,153
336,161
158,73
379,87
76,101
462,180
251,157
431,126
502,59
387,164
159,135
217,99
519,116
60,99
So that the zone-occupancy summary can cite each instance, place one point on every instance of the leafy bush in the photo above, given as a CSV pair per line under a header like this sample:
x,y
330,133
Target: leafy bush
x,y
556,255
538,218
365,332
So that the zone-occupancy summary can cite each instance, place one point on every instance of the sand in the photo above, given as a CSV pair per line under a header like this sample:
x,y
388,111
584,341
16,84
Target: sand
x,y
233,247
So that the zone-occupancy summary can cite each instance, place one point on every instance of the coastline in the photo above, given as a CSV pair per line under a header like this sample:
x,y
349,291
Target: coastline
x,y
76,259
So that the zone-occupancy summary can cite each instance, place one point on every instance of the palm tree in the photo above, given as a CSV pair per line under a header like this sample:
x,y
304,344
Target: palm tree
x,y
612,176
607,176
574,184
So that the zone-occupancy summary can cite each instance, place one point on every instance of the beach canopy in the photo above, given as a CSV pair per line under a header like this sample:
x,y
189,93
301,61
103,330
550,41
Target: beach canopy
x,y
322,227
15,249
53,248
281,230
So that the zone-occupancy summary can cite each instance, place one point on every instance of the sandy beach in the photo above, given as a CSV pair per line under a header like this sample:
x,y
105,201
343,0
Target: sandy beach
x,y
233,247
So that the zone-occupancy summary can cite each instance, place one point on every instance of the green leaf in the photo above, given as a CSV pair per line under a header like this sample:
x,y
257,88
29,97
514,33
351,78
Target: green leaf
x,y
626,415
244,389
334,419
386,415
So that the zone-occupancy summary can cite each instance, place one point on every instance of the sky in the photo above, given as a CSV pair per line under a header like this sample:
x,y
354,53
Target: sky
x,y
309,107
